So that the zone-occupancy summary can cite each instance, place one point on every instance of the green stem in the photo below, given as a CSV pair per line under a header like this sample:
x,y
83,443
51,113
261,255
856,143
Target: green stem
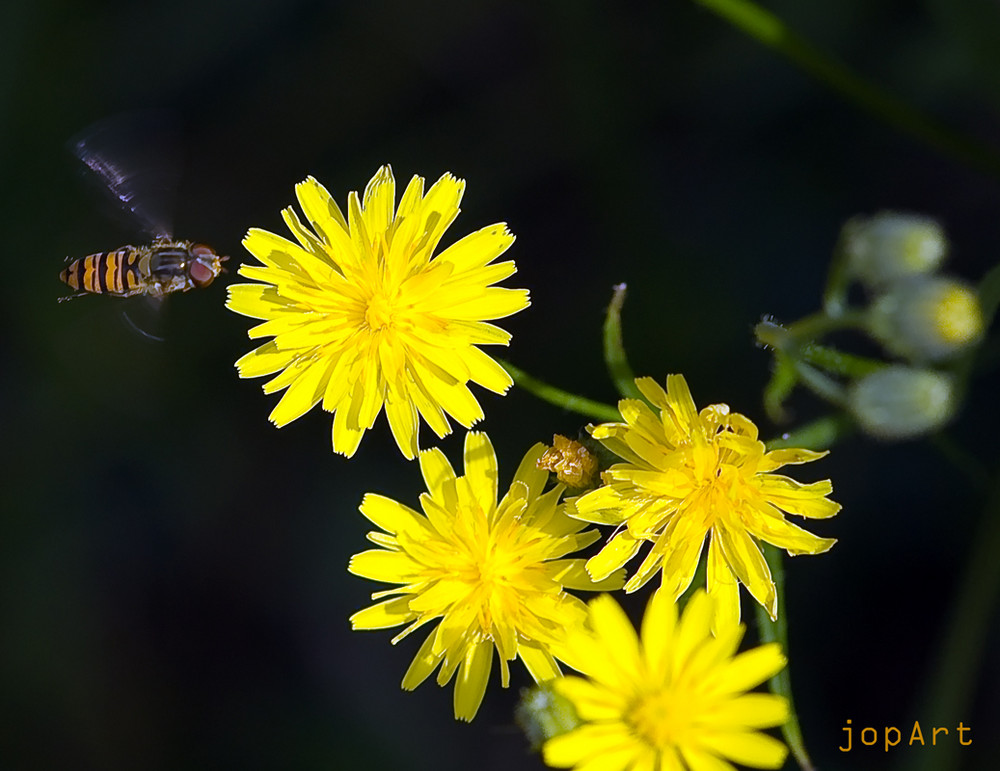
x,y
839,363
989,294
560,398
772,32
952,679
819,435
823,386
777,631
614,348
838,278
789,338
783,380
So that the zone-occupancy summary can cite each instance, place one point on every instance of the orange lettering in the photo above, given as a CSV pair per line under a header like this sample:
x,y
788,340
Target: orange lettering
x,y
847,728
889,744
917,734
936,730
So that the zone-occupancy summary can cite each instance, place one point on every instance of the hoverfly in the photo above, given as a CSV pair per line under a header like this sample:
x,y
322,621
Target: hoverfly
x,y
161,268
140,173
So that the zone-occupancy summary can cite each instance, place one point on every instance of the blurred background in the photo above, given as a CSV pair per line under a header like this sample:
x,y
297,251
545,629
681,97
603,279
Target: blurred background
x,y
173,584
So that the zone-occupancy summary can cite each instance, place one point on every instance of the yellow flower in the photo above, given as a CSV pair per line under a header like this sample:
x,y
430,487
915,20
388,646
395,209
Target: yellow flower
x,y
674,698
688,475
363,315
492,573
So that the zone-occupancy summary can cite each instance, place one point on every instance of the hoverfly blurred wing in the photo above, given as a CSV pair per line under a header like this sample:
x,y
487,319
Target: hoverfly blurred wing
x,y
136,157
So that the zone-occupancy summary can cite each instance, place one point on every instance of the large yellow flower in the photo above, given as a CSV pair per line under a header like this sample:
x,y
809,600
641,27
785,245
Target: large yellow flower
x,y
363,315
492,573
672,699
688,475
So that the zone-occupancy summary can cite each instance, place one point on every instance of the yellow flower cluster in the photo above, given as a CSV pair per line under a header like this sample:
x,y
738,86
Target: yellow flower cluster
x,y
364,314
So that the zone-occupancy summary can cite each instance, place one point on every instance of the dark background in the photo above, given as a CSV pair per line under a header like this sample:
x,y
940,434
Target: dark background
x,y
173,582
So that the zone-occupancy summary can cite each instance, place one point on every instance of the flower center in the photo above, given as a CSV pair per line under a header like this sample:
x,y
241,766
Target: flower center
x,y
379,313
491,573
661,718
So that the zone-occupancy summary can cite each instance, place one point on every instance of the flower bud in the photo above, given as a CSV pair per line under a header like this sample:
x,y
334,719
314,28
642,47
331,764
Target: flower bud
x,y
891,245
901,402
927,318
542,714
572,463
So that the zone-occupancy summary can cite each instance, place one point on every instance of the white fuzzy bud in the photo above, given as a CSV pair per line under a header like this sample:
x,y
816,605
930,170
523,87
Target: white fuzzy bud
x,y
927,318
901,402
891,245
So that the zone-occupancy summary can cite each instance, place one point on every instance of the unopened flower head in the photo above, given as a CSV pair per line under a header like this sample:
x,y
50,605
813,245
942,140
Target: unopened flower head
x,y
688,476
542,713
928,318
893,245
673,697
572,463
901,402
363,315
493,574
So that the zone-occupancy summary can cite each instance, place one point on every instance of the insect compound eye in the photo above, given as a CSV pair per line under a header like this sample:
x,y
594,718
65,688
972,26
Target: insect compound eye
x,y
200,273
204,265
200,250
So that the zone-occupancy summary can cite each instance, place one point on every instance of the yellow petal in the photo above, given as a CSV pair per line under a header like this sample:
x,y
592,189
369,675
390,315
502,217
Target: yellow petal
x,y
723,588
494,303
264,361
693,629
572,574
538,661
589,741
402,415
748,748
747,562
616,633
472,677
319,207
380,565
752,710
391,516
481,469
783,534
653,391
614,555
657,631
303,394
529,474
778,458
439,476
485,371
440,207
479,248
384,615
379,202
681,404
258,301
479,332
412,196
601,506
423,664
805,500
751,668
346,437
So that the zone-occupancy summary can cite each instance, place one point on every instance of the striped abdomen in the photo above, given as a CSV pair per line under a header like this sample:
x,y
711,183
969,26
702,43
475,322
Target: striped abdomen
x,y
115,273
